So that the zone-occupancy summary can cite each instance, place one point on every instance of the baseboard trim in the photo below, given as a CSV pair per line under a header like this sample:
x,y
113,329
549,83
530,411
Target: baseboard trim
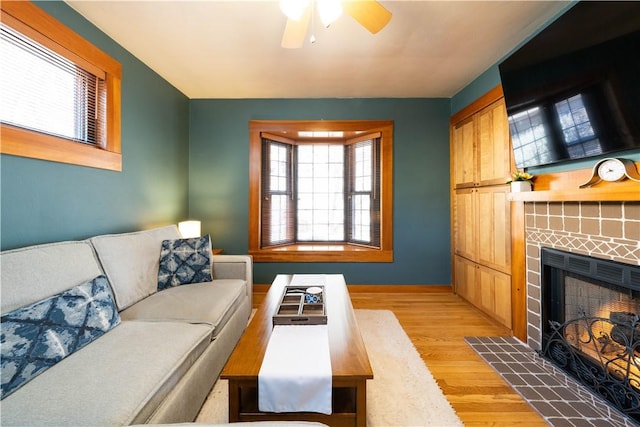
x,y
422,289
383,288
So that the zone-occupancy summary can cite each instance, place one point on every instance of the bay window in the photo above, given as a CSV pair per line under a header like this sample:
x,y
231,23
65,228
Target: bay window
x,y
320,196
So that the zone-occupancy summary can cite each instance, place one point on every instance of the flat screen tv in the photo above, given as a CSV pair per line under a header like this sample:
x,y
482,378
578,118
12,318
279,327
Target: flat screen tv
x,y
573,90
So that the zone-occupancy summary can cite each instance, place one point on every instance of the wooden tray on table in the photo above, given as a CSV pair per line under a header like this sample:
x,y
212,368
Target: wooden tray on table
x,y
295,310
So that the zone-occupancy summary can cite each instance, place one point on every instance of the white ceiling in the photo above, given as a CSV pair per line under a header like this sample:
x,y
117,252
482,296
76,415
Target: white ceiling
x,y
231,49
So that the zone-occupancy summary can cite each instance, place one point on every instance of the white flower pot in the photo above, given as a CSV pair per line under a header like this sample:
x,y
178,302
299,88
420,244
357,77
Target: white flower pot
x,y
520,186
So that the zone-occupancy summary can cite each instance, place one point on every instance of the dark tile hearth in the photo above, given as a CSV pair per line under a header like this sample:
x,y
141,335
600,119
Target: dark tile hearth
x,y
560,400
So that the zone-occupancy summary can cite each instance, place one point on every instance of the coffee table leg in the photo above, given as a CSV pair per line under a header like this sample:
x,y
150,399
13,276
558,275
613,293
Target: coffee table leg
x,y
234,401
361,404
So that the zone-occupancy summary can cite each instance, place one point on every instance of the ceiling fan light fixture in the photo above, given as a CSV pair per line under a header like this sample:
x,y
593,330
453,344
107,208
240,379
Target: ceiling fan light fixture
x,y
329,11
294,9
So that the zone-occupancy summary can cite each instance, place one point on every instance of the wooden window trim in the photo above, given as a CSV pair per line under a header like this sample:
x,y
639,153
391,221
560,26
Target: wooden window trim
x,y
56,36
321,252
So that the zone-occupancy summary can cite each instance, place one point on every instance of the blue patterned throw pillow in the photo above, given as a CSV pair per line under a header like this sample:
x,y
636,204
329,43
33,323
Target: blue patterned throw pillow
x,y
38,336
184,261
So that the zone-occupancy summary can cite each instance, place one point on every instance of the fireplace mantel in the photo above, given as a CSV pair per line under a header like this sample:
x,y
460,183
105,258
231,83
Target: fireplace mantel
x,y
565,187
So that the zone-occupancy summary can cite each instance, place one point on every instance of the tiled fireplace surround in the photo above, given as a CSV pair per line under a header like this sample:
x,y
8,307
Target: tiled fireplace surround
x,y
608,230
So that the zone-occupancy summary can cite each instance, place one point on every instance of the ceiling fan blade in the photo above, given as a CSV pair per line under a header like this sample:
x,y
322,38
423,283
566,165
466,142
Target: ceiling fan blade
x,y
294,32
369,13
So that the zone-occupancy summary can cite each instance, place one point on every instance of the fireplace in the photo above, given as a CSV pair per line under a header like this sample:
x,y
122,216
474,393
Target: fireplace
x,y
591,324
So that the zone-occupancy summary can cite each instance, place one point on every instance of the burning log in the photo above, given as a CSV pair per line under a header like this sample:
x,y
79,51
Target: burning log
x,y
626,329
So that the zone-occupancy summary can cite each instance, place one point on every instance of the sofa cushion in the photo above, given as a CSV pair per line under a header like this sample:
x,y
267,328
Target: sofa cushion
x,y
117,380
130,261
210,303
184,261
34,273
38,336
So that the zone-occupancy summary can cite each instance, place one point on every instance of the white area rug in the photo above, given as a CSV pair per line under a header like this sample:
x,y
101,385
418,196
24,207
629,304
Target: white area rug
x,y
403,392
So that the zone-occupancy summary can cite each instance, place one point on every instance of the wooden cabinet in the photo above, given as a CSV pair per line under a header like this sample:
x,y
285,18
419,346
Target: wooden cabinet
x,y
466,280
495,294
465,233
482,226
493,225
464,166
481,217
494,145
482,153
484,287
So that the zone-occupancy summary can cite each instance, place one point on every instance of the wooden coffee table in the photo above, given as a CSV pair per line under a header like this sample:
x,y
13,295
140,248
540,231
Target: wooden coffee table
x,y
349,361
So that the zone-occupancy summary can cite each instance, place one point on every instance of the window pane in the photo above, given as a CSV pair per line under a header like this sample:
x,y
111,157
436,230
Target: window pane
x,y
305,232
305,154
320,170
361,217
305,186
279,208
321,185
530,137
336,232
305,201
363,170
321,192
278,168
336,185
336,154
579,136
320,154
320,201
305,170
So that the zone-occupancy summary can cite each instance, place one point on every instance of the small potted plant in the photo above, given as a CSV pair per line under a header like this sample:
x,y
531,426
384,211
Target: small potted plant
x,y
521,181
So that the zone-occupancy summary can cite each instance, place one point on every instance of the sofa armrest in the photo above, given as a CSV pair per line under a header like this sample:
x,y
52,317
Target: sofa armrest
x,y
234,267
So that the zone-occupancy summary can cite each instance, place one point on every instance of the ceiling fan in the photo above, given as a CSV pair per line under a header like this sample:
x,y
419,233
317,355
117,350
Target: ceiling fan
x,y
369,13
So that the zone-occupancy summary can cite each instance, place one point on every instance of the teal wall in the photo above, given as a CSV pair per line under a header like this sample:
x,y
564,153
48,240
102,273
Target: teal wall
x,y
45,201
481,85
219,181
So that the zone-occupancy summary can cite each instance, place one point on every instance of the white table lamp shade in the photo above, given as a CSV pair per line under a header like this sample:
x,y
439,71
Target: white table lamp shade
x,y
189,229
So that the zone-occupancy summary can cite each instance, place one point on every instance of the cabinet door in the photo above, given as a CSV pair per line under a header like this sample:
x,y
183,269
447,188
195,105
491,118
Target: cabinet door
x,y
495,294
494,227
465,279
464,160
494,146
465,223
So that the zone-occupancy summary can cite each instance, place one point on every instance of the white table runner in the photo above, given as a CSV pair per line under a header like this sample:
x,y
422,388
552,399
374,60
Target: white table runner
x,y
295,375
296,371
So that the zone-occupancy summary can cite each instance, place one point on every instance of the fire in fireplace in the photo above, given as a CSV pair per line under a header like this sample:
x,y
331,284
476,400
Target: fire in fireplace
x,y
591,324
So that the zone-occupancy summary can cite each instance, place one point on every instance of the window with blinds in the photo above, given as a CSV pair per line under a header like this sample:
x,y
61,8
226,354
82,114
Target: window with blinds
x,y
44,92
277,208
364,184
60,94
321,190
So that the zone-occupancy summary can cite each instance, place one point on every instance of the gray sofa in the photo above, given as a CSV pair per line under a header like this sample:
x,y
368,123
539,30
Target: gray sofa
x,y
158,364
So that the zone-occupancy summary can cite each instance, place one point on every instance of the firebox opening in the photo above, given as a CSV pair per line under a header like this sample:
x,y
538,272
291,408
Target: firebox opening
x,y
591,324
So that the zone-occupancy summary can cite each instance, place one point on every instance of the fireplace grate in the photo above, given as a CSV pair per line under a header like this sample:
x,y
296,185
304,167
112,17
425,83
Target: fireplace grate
x,y
602,354
591,324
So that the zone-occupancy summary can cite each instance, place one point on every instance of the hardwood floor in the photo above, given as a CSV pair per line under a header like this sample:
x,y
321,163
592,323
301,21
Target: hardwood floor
x,y
437,321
